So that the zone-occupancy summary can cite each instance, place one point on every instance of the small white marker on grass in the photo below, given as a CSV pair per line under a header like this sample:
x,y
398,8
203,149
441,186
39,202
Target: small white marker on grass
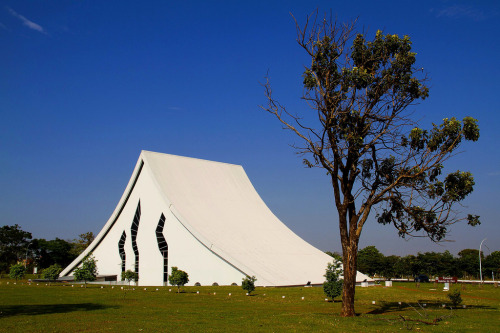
x,y
229,294
282,296
302,297
373,302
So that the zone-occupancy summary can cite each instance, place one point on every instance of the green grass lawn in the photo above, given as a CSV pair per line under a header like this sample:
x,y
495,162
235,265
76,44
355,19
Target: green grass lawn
x,y
62,308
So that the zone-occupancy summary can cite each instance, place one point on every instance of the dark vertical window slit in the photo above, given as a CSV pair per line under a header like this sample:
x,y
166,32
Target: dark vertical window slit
x,y
121,249
162,246
133,231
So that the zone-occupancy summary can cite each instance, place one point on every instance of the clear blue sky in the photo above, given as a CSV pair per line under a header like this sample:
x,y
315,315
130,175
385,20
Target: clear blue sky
x,y
86,85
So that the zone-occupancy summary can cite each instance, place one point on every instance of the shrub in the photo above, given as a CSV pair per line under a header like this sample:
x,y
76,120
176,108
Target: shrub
x,y
178,278
51,273
454,296
17,271
88,270
215,284
248,283
130,275
333,284
234,284
197,284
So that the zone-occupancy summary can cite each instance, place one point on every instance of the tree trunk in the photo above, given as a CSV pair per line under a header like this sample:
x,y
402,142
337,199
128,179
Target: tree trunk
x,y
350,265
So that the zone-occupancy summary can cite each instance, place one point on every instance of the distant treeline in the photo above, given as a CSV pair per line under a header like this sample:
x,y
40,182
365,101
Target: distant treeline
x,y
18,246
466,266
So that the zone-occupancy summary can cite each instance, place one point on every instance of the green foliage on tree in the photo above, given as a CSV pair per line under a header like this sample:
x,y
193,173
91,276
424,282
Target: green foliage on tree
x,y
17,271
14,243
455,297
52,273
468,262
358,89
248,283
333,284
492,264
50,252
87,271
334,255
389,267
370,261
79,245
130,275
178,278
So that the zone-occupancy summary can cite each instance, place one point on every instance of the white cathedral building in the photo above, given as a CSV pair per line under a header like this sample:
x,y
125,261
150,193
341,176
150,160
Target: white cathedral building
x,y
207,219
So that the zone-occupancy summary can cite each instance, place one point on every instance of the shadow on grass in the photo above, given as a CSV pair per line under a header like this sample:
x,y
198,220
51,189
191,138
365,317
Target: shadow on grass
x,y
41,309
387,307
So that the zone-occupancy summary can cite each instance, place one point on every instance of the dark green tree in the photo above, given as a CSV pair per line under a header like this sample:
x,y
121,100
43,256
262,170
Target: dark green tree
x,y
248,283
448,264
50,252
389,267
437,264
17,271
468,262
359,130
52,272
370,261
14,244
178,278
492,264
87,271
130,276
332,287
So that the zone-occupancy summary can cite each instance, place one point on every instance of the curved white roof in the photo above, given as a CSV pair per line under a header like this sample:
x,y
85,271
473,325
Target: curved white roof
x,y
217,203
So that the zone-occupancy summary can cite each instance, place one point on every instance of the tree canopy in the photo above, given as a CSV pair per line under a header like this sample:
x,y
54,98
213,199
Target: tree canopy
x,y
83,241
87,271
17,271
52,272
332,286
130,276
375,155
178,278
14,243
248,283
